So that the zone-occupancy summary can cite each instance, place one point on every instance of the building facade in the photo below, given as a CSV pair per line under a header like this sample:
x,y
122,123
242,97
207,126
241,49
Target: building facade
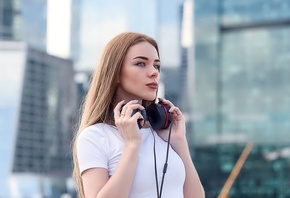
x,y
38,109
32,22
242,95
9,19
38,104
24,21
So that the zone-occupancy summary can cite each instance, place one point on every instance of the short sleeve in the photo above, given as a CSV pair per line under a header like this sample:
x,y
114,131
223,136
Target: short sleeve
x,y
91,149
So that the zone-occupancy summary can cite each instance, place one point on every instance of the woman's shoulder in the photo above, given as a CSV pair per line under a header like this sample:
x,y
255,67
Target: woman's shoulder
x,y
98,127
98,130
100,135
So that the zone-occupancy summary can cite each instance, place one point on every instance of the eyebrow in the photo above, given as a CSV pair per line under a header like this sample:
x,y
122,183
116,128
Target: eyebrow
x,y
145,58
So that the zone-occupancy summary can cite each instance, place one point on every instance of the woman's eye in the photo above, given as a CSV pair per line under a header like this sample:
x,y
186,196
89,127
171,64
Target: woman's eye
x,y
142,64
157,67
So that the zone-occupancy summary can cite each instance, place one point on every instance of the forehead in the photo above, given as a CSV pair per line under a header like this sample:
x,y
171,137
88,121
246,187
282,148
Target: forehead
x,y
142,49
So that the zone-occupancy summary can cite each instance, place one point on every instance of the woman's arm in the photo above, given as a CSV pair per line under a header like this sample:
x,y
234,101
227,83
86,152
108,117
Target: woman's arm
x,y
96,181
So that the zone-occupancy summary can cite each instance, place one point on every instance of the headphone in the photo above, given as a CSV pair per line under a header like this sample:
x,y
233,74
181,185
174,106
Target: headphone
x,y
157,114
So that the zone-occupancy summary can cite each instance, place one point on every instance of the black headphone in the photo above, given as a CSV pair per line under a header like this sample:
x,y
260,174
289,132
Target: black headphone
x,y
157,114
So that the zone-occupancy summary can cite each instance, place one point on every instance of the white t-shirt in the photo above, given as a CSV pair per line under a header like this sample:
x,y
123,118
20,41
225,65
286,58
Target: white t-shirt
x,y
101,145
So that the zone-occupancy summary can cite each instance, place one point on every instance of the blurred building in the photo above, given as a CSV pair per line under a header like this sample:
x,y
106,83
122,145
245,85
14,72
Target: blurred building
x,y
24,20
242,94
38,102
175,26
41,99
47,25
157,18
9,17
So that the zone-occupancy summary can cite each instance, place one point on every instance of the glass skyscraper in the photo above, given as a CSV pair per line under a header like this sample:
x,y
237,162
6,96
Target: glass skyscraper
x,y
24,21
38,102
9,19
27,20
242,77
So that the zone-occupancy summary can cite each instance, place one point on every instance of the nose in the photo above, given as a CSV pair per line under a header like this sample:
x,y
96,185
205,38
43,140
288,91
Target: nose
x,y
153,72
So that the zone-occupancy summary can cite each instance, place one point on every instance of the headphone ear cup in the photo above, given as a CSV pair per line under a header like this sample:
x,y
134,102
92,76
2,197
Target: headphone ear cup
x,y
158,116
143,113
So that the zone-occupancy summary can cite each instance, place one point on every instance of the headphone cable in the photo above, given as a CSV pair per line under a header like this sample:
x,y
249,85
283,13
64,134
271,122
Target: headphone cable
x,y
155,164
165,164
166,160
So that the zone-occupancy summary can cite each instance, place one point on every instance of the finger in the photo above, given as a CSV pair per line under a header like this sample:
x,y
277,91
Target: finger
x,y
175,111
128,108
168,103
133,108
163,100
139,118
117,110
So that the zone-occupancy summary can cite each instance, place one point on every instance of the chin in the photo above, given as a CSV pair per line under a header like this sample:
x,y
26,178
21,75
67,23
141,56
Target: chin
x,y
149,98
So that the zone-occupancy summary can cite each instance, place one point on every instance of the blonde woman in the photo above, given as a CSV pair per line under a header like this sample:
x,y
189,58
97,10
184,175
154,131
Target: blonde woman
x,y
117,152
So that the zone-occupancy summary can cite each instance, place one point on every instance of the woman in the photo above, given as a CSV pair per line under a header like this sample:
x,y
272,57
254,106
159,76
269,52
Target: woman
x,y
113,157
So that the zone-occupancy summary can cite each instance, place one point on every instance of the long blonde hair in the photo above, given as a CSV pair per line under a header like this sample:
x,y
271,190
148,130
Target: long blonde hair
x,y
99,101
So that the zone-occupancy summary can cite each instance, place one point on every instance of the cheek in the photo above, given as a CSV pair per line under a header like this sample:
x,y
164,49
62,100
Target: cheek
x,y
130,78
131,75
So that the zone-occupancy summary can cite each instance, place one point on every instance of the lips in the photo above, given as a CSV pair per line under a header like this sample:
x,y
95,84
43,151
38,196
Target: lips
x,y
152,85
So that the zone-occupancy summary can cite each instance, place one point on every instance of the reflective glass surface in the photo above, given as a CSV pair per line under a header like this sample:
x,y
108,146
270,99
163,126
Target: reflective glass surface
x,y
242,69
249,11
255,78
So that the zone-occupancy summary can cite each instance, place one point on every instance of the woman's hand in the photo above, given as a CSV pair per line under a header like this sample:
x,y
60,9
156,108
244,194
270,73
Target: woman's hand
x,y
127,123
178,131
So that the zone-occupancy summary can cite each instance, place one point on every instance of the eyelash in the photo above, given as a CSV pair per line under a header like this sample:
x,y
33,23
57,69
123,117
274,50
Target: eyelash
x,y
143,65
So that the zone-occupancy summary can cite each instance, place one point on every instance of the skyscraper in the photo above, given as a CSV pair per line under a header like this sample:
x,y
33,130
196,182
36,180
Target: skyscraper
x,y
9,19
38,101
102,20
47,25
24,21
242,95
